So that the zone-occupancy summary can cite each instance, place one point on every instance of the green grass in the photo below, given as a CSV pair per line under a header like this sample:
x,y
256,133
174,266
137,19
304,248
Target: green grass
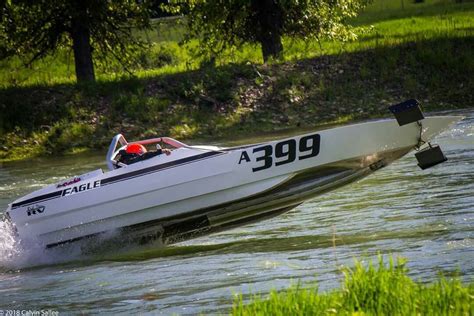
x,y
383,23
423,51
367,290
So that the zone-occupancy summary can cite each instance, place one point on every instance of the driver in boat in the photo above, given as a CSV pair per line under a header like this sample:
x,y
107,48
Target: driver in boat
x,y
137,152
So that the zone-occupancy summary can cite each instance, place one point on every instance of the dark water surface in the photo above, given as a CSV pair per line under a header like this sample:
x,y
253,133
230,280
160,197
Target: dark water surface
x,y
425,216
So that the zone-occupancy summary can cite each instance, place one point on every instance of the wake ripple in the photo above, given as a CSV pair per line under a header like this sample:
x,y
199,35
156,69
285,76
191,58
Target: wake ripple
x,y
16,254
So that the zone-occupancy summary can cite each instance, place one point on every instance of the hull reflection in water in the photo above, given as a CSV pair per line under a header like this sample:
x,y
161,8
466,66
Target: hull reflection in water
x,y
197,190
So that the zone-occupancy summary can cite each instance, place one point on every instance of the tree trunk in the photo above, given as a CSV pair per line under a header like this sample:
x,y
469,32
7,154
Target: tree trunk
x,y
81,45
269,27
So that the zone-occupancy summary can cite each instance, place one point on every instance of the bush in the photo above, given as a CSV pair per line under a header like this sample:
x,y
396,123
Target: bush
x,y
368,290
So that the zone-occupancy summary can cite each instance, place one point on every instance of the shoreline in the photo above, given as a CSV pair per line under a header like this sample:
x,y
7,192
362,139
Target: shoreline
x,y
235,99
243,138
406,53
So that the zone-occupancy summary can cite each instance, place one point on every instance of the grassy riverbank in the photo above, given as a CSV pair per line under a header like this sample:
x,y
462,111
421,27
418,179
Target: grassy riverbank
x,y
422,51
368,290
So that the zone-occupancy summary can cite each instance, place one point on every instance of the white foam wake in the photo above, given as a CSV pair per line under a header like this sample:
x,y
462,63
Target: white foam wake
x,y
18,254
9,248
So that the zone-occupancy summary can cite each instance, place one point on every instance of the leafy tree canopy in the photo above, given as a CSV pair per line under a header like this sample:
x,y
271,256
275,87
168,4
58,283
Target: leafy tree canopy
x,y
223,23
33,29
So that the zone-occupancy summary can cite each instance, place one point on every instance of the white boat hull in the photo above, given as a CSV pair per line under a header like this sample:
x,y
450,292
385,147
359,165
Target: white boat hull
x,y
197,191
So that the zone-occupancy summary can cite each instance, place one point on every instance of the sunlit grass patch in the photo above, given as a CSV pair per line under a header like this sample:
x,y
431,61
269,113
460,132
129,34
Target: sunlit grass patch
x,y
421,51
367,289
384,23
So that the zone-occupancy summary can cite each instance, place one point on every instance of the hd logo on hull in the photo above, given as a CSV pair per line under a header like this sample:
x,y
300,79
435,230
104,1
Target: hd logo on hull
x,y
81,188
33,210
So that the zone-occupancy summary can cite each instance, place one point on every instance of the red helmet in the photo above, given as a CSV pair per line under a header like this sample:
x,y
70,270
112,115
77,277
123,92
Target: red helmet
x,y
135,149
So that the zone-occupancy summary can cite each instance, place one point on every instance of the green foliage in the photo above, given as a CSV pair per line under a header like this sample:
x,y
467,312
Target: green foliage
x,y
424,53
17,145
140,107
245,99
36,29
220,25
32,111
367,290
159,55
418,23
64,136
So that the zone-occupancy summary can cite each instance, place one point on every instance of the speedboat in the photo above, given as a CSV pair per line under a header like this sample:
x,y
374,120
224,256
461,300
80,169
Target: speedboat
x,y
163,189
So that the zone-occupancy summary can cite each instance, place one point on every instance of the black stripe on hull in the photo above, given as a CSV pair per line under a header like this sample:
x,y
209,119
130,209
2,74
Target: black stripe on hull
x,y
305,185
152,169
201,222
41,198
177,227
123,177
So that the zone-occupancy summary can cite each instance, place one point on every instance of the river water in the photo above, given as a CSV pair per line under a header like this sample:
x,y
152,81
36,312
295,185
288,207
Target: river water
x,y
424,216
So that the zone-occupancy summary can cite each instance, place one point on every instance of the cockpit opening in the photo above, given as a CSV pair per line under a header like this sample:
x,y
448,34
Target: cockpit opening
x,y
121,153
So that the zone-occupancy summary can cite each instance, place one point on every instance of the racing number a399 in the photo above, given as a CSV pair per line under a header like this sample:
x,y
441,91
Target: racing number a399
x,y
283,152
